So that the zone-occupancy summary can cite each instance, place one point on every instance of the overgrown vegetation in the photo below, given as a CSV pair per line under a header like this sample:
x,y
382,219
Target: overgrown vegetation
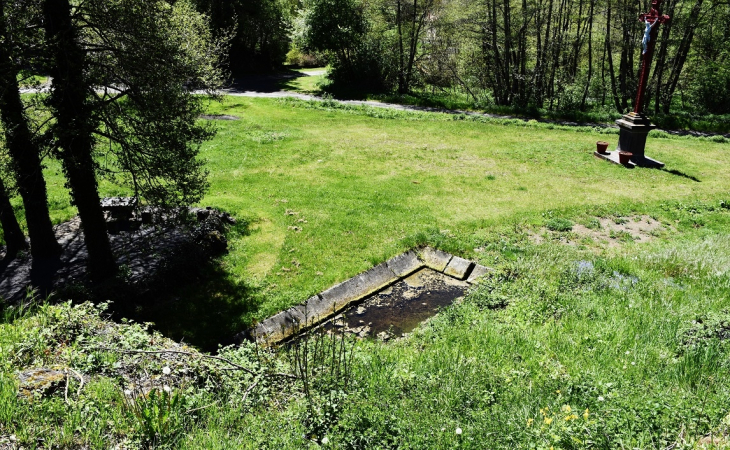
x,y
560,346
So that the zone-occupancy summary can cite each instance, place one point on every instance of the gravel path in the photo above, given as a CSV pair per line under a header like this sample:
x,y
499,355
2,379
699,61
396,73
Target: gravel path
x,y
268,86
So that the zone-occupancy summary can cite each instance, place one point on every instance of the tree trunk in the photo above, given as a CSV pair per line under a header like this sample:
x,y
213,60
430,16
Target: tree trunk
x,y
681,57
13,235
609,56
73,129
590,55
24,153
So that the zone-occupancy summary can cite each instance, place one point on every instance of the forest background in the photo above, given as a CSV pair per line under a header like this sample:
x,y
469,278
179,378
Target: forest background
x,y
523,55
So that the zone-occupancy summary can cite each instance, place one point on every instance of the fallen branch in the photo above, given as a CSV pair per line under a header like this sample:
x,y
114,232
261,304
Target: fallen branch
x,y
65,391
233,365
250,388
81,382
202,407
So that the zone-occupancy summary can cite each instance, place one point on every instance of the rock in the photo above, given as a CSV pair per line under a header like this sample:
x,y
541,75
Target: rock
x,y
384,336
42,381
216,242
458,267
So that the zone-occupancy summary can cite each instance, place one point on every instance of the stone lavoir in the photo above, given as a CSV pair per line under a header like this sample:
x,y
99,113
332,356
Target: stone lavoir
x,y
392,297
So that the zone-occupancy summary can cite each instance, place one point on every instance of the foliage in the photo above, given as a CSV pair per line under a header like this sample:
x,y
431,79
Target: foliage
x,y
559,224
148,129
258,30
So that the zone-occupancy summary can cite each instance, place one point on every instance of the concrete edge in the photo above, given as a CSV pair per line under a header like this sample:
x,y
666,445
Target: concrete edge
x,y
458,267
434,259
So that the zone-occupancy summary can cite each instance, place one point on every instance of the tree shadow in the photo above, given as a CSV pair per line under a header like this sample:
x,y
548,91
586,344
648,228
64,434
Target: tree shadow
x,y
206,310
265,83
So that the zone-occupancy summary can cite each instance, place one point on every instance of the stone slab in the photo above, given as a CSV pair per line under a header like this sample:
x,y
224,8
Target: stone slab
x,y
644,162
434,259
281,326
405,264
458,267
341,295
478,272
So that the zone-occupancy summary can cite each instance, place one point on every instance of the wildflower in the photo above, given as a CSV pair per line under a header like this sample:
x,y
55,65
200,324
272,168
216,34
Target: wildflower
x,y
529,422
628,352
166,370
128,392
624,366
565,408
586,414
570,417
325,440
600,398
166,388
458,431
548,420
633,363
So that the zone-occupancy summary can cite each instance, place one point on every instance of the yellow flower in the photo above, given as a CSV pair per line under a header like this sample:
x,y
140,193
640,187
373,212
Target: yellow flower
x,y
570,417
548,420
586,414
529,422
565,408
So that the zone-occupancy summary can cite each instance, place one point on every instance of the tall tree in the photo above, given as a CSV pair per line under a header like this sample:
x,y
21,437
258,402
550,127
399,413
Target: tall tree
x,y
12,234
124,72
74,129
22,147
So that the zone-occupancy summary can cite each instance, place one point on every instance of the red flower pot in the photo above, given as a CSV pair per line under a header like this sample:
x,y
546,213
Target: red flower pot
x,y
601,146
624,157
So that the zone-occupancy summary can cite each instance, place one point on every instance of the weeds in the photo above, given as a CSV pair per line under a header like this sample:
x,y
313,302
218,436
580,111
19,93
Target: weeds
x,y
157,415
323,364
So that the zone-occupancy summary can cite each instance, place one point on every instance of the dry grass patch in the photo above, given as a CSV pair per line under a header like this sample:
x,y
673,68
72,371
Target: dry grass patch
x,y
605,232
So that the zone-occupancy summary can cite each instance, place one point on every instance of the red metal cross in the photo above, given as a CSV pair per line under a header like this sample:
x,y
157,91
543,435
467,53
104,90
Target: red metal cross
x,y
652,19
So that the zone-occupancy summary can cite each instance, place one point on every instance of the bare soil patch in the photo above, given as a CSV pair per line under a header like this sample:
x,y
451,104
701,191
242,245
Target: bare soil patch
x,y
605,232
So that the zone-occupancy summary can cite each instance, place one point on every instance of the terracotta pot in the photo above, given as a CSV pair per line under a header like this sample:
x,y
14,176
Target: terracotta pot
x,y
601,146
624,157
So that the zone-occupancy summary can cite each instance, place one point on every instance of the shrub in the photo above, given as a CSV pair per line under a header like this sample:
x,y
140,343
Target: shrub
x,y
559,224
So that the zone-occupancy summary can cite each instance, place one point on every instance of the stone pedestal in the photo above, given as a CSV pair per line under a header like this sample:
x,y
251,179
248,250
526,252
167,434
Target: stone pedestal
x,y
632,138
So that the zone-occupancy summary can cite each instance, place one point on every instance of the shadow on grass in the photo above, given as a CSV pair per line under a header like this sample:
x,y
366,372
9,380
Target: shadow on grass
x,y
205,311
681,174
267,83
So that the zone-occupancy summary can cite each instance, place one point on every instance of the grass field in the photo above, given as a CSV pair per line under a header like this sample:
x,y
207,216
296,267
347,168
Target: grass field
x,y
327,193
573,341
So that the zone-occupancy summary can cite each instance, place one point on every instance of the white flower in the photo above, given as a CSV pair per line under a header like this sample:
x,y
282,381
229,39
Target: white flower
x,y
458,431
628,352
600,398
633,363
166,370
325,440
166,388
128,392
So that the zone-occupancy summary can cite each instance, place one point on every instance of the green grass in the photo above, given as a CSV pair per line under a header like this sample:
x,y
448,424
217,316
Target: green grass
x,y
309,83
560,347
327,192
563,346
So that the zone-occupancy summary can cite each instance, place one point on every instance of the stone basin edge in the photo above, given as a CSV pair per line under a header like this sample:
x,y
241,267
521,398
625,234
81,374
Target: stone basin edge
x,y
320,307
